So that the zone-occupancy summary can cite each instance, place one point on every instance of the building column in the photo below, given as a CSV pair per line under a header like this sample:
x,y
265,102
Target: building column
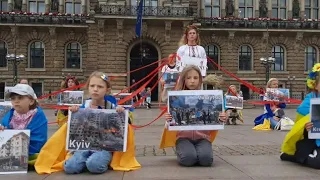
x,y
10,5
223,8
236,8
84,6
302,12
289,15
256,8
201,8
47,4
24,6
269,8
61,6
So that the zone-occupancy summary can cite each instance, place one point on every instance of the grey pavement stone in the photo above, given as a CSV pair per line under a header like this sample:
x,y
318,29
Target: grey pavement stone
x,y
167,168
109,175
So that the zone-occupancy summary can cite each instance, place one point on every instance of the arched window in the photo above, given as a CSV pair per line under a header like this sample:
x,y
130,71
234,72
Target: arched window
x,y
73,55
278,54
245,58
213,53
3,54
36,55
310,57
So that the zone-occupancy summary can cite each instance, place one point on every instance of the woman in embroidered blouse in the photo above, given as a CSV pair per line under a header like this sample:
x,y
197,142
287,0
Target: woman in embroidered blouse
x,y
189,44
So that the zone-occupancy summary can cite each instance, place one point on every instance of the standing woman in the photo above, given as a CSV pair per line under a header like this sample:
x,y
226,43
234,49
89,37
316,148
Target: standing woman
x,y
189,44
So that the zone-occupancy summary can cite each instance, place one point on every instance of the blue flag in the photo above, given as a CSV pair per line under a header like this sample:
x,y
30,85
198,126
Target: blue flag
x,y
139,19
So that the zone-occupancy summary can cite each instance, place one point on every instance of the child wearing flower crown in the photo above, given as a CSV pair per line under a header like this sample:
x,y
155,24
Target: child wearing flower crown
x,y
192,147
26,114
297,147
97,162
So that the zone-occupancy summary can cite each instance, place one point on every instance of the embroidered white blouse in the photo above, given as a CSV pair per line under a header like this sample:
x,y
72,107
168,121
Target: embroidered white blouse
x,y
192,51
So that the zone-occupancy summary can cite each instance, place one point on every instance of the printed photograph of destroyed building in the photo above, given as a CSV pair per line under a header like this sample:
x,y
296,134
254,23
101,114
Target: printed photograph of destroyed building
x,y
4,109
71,98
123,95
234,102
14,151
195,110
97,129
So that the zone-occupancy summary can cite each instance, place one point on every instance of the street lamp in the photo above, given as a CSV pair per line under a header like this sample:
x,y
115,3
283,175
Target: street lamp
x,y
267,62
15,59
290,79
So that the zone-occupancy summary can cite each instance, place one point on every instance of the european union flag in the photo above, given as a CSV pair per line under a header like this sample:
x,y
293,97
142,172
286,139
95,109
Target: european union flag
x,y
139,19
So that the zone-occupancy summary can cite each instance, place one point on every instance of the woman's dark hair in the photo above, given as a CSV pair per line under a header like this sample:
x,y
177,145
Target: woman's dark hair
x,y
74,80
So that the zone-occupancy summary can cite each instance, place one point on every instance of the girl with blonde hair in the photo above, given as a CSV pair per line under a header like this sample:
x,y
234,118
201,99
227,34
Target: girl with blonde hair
x,y
192,147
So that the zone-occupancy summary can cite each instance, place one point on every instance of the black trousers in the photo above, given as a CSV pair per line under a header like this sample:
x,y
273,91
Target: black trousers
x,y
307,154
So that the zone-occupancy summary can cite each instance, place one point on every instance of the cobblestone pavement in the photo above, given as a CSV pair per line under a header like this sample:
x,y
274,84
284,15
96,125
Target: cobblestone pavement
x,y
239,153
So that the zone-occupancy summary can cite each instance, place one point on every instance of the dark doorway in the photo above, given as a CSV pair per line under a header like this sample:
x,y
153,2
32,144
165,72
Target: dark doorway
x,y
2,87
245,92
141,55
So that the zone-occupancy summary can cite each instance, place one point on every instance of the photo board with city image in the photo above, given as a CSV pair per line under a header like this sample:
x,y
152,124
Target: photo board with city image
x,y
6,91
234,102
277,94
97,129
120,96
70,98
314,133
201,63
14,152
195,110
5,107
170,79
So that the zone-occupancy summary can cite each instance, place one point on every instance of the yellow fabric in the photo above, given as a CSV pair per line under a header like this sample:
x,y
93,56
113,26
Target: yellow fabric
x,y
263,127
169,138
131,116
294,135
61,118
53,154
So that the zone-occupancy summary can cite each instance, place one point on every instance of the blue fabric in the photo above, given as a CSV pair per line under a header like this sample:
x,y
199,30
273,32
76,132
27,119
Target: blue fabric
x,y
38,127
94,161
304,108
109,98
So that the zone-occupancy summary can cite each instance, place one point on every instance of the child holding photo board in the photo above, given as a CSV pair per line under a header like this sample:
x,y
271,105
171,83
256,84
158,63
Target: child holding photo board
x,y
192,147
26,114
99,88
297,146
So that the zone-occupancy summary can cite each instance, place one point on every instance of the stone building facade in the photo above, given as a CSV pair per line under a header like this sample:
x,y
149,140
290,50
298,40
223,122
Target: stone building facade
x,y
81,36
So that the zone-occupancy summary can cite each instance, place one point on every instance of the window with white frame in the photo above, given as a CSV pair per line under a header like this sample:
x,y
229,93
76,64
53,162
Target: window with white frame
x,y
311,57
147,3
36,55
38,88
4,5
279,9
3,54
246,8
212,52
36,6
73,55
212,8
311,9
245,58
73,6
278,53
